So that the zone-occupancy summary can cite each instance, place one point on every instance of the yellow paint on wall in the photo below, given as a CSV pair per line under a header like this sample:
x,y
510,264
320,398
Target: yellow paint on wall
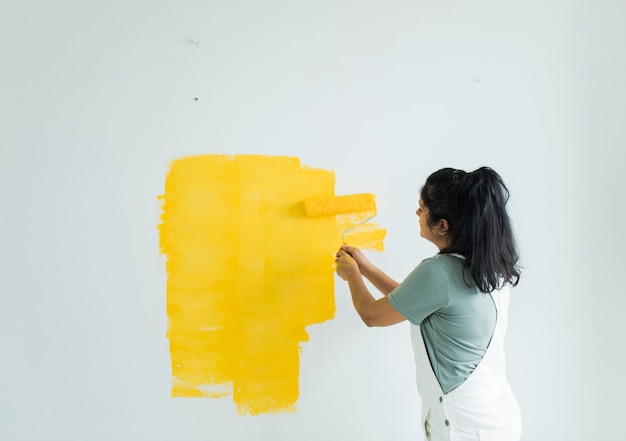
x,y
247,271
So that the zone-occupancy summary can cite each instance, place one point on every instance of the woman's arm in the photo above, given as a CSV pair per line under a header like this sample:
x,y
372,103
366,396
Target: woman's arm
x,y
373,312
371,272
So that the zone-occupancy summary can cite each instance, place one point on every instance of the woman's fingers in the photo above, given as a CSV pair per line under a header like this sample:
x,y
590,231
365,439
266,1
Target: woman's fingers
x,y
355,253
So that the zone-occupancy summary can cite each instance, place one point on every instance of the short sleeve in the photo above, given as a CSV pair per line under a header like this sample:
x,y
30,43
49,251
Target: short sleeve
x,y
423,292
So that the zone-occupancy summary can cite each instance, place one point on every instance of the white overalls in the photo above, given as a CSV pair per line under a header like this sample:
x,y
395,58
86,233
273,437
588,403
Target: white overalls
x,y
483,407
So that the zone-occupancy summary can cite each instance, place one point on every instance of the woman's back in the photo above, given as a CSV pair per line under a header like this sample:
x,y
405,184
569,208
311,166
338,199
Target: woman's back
x,y
457,321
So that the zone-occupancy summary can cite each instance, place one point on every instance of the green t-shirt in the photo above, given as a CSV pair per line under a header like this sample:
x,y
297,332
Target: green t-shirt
x,y
457,321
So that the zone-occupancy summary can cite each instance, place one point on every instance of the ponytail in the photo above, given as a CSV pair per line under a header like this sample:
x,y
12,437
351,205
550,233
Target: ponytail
x,y
474,205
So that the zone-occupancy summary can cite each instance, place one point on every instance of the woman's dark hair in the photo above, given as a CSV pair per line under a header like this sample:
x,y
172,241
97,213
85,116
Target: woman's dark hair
x,y
479,228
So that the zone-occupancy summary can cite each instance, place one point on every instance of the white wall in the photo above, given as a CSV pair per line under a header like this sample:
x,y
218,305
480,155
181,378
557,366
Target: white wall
x,y
97,98
607,105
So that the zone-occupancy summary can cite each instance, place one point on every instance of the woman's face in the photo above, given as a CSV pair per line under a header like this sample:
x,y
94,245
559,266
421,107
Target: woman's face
x,y
436,234
422,214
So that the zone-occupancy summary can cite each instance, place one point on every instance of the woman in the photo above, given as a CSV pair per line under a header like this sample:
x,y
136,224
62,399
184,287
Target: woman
x,y
457,304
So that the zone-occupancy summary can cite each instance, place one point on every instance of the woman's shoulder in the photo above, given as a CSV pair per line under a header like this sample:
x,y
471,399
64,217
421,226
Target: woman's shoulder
x,y
442,269
443,262
436,269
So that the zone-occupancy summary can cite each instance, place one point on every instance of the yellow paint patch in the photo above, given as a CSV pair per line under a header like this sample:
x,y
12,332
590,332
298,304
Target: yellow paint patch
x,y
247,272
368,236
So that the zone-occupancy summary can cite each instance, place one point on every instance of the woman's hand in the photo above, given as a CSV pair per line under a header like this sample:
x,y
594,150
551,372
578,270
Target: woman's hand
x,y
347,266
350,266
360,258
348,257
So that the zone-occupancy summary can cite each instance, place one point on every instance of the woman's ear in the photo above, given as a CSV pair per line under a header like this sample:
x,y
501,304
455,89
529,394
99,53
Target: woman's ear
x,y
443,227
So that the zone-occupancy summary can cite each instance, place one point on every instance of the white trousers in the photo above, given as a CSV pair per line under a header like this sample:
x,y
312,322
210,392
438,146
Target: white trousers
x,y
435,432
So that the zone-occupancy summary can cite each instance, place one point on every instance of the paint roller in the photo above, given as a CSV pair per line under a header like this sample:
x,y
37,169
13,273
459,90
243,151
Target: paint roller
x,y
353,205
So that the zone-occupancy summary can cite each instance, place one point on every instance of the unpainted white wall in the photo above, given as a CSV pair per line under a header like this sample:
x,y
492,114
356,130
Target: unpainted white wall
x,y
607,145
